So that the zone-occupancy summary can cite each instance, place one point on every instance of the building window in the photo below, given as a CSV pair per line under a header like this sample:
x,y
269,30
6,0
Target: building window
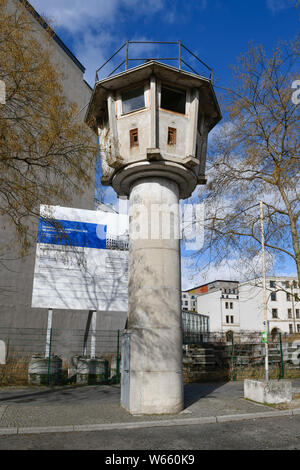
x,y
227,318
171,136
132,100
272,284
298,328
231,305
231,318
297,313
288,297
274,313
290,313
273,295
172,99
291,328
186,302
226,305
295,285
134,138
287,284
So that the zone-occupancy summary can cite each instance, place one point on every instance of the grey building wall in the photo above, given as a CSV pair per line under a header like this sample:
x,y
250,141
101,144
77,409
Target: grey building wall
x,y
16,274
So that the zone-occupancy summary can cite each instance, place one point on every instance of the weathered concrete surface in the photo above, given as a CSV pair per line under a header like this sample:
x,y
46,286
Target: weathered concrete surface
x,y
142,161
272,391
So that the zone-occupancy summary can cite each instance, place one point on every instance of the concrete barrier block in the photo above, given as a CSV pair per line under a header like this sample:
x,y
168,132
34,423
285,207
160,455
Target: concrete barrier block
x,y
271,391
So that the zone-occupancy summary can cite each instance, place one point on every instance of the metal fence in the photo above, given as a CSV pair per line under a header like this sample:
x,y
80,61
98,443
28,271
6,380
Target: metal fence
x,y
248,354
31,356
195,327
236,356
37,356
128,55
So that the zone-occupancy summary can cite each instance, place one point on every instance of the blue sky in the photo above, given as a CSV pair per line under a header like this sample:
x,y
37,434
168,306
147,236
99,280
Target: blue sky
x,y
218,31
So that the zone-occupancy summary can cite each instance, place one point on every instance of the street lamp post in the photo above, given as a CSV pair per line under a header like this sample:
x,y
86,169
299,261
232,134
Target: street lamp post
x,y
265,333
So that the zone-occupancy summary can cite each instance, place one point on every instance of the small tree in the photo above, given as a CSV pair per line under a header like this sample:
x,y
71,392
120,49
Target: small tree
x,y
46,153
255,157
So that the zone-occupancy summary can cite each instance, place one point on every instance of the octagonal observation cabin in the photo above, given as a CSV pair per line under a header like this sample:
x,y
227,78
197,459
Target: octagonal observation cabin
x,y
153,119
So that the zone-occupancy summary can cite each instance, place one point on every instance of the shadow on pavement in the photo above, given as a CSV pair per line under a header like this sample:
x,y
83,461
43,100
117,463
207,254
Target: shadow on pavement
x,y
194,391
62,395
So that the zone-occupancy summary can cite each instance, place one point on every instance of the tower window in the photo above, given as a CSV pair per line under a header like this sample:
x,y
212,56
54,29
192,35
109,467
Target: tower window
x,y
171,136
134,138
173,100
133,100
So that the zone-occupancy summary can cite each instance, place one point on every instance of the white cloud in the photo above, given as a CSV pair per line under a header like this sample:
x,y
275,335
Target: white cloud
x,y
278,5
234,269
92,50
75,15
192,278
92,26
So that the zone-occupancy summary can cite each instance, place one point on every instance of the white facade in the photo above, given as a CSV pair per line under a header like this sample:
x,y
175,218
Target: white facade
x,y
283,306
223,310
188,302
244,311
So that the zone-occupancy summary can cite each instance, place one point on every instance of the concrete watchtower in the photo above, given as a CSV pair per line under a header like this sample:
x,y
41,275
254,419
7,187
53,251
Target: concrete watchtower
x,y
153,122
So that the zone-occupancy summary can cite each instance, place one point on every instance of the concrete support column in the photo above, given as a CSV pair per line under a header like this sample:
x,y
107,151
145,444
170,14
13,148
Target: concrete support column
x,y
152,382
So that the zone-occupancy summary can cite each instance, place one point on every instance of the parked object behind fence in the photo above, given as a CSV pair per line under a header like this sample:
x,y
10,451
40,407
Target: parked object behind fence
x,y
44,371
88,371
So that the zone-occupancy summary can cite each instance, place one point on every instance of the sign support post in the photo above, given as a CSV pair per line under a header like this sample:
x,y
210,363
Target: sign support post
x,y
93,334
49,329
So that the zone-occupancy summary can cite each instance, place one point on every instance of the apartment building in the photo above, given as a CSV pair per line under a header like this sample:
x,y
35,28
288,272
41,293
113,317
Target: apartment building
x,y
219,300
188,302
283,305
189,297
241,306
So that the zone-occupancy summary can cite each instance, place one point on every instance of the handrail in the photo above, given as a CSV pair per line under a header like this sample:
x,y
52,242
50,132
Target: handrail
x,y
178,58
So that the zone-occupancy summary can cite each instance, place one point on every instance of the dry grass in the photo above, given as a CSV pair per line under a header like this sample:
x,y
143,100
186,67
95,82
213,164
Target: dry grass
x,y
15,371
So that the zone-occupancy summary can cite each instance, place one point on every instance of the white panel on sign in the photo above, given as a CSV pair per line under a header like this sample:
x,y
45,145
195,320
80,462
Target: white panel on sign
x,y
81,260
2,352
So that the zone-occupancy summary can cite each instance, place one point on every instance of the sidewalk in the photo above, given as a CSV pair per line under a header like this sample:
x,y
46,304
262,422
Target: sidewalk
x,y
57,409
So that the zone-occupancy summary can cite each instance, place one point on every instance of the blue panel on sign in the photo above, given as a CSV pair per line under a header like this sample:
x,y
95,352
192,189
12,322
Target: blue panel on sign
x,y
69,232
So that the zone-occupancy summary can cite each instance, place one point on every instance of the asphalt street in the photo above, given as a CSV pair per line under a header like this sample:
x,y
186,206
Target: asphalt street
x,y
261,434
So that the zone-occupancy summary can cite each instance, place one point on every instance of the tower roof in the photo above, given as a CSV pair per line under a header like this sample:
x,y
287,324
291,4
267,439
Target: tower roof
x,y
163,72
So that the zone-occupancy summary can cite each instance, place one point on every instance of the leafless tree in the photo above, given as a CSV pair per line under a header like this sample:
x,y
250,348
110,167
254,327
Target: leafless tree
x,y
255,157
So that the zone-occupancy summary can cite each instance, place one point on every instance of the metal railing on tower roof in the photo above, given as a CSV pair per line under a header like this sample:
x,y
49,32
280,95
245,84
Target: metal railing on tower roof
x,y
129,60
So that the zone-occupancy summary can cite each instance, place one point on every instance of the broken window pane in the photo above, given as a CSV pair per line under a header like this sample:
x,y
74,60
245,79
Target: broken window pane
x,y
173,100
133,100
